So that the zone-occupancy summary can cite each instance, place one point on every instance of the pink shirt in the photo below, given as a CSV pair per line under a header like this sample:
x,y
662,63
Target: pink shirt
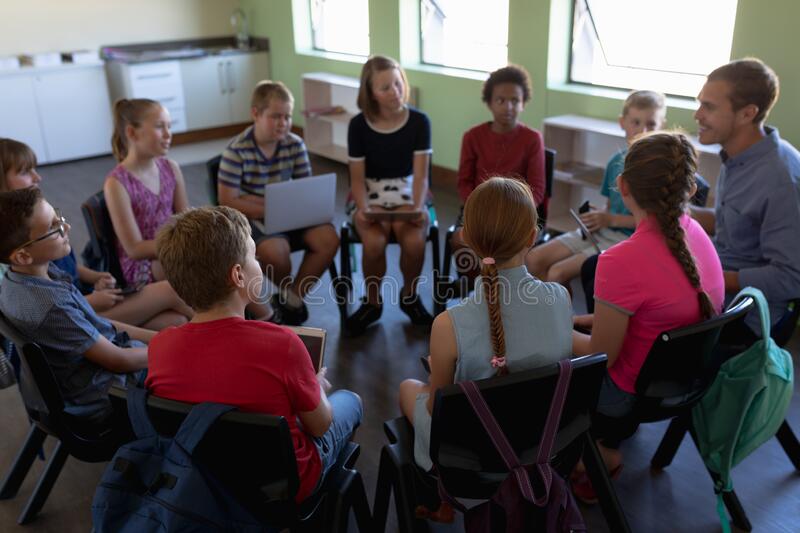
x,y
641,278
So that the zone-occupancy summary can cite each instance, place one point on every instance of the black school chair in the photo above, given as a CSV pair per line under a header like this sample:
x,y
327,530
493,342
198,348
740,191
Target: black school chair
x,y
252,455
678,371
447,289
102,239
348,236
339,285
465,457
86,441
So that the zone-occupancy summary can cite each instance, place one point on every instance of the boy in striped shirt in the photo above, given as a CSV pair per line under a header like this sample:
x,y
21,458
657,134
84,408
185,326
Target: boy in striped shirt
x,y
268,152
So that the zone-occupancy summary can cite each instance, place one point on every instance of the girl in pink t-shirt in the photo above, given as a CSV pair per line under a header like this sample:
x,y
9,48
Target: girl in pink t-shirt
x,y
666,275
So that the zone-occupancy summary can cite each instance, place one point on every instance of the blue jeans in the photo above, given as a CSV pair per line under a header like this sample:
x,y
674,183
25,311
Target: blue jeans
x,y
347,413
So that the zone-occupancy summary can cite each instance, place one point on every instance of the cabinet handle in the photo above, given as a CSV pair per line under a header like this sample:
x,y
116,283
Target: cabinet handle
x,y
221,77
166,99
154,76
231,82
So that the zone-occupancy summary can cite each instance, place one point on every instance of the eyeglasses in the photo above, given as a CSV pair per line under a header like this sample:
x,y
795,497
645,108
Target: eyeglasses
x,y
61,229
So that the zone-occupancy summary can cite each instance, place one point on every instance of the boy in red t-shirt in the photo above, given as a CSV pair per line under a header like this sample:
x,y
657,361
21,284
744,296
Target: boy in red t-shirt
x,y
502,147
209,258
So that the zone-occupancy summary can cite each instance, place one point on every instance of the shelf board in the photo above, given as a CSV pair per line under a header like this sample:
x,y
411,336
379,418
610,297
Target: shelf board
x,y
611,128
562,223
332,79
336,152
335,118
576,173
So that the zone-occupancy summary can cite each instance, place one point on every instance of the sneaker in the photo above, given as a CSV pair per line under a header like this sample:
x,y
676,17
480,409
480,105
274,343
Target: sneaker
x,y
283,314
415,310
363,317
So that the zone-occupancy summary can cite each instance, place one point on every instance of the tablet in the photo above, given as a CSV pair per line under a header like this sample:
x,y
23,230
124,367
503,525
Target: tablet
x,y
586,231
391,215
314,340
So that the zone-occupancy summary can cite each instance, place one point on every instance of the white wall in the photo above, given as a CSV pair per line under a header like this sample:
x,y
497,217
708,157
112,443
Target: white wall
x,y
58,25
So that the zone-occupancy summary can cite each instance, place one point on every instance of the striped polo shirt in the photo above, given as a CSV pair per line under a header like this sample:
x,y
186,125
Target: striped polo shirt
x,y
245,167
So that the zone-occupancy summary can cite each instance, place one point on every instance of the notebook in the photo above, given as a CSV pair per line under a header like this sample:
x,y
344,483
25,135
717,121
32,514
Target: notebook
x,y
314,340
585,231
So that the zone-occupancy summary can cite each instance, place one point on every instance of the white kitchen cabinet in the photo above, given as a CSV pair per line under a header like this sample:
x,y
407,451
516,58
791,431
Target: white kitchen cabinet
x,y
217,89
61,112
243,72
204,92
19,114
76,113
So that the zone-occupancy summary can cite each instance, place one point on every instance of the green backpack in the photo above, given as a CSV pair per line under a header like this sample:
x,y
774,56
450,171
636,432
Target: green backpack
x,y
745,405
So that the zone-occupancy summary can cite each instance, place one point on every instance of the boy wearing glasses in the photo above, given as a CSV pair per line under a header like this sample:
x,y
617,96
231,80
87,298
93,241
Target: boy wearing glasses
x,y
86,352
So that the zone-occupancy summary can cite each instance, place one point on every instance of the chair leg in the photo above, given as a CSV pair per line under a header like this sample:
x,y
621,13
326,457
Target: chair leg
x,y
44,485
670,443
789,443
731,500
598,475
22,462
357,501
387,478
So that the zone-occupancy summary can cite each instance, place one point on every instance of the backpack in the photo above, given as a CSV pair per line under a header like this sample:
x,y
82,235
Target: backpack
x,y
516,506
744,406
154,484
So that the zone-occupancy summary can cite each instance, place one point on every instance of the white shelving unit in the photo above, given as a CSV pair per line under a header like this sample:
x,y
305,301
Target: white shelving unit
x,y
326,134
584,145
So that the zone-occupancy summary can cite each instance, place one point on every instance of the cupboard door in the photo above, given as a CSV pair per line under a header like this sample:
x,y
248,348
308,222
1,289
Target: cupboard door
x,y
19,116
242,73
205,92
76,112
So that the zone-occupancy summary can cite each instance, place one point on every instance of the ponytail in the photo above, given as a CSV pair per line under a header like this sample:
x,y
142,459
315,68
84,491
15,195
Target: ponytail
x,y
127,113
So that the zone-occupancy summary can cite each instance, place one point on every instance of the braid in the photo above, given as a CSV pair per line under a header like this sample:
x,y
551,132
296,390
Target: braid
x,y
672,205
490,291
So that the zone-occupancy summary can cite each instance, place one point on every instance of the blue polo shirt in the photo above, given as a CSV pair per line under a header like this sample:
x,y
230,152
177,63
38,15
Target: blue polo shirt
x,y
54,314
758,220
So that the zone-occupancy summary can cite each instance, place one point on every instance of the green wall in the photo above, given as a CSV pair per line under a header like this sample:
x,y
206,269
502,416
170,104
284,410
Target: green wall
x,y
764,28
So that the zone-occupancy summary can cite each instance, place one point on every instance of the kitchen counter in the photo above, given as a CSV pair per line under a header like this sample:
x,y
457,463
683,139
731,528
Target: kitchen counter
x,y
183,49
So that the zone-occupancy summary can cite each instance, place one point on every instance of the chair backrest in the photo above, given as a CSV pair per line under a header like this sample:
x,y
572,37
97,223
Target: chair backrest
x,y
549,171
520,403
682,362
251,454
102,238
212,168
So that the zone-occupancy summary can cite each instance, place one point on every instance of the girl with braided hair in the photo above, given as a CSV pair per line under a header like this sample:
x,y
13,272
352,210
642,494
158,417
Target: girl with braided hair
x,y
512,321
666,275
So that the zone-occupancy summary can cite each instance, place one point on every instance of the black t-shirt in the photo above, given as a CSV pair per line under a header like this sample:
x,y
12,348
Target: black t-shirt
x,y
389,154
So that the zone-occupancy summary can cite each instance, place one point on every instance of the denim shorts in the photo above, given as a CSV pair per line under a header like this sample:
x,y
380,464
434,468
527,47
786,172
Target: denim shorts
x,y
347,413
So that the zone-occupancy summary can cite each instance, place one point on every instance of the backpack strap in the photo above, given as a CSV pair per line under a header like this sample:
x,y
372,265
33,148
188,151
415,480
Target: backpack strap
x,y
761,305
137,413
198,422
554,414
500,441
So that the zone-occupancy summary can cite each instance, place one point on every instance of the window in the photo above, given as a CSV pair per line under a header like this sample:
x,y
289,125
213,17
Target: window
x,y
340,26
664,45
468,34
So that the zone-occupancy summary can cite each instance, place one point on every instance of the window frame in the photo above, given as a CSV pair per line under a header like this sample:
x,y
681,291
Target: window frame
x,y
429,64
589,85
316,49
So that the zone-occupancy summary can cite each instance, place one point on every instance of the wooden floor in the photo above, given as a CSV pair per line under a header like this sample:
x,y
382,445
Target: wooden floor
x,y
678,499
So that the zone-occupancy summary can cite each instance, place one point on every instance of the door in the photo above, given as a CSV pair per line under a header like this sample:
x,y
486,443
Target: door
x,y
242,73
205,92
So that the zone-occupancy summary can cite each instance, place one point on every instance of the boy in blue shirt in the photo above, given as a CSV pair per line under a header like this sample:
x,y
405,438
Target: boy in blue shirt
x,y
561,258
86,352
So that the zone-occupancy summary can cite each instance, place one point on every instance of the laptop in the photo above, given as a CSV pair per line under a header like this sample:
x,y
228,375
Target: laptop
x,y
314,340
585,231
299,203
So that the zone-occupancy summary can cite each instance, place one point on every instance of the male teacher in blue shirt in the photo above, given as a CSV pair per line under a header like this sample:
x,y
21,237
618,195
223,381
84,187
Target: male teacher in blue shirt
x,y
755,221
